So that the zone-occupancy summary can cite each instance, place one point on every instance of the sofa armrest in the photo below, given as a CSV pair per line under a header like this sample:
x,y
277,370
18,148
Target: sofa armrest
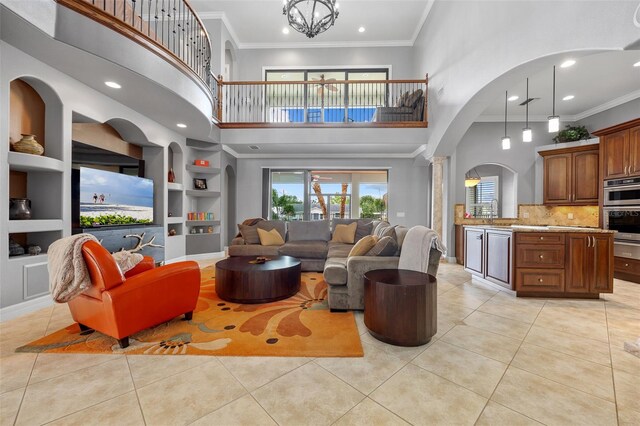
x,y
238,241
357,266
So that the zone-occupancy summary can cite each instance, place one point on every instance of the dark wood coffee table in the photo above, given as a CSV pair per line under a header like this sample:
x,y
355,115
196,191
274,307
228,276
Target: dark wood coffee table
x,y
400,306
239,281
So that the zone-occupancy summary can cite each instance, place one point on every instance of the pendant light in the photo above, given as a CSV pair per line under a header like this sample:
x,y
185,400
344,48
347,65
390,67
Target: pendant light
x,y
554,120
506,140
470,180
527,134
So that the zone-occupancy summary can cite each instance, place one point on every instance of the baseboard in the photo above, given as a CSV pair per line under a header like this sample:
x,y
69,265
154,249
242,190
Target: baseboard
x,y
19,309
451,259
205,256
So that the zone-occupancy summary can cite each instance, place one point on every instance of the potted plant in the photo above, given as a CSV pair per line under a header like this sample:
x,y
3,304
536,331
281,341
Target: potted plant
x,y
571,134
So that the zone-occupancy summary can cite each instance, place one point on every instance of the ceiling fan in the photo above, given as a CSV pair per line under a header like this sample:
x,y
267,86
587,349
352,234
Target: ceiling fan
x,y
317,178
326,84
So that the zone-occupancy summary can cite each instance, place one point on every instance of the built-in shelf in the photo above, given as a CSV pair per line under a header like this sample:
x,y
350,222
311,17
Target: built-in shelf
x,y
202,193
173,186
202,222
175,219
32,259
204,146
41,225
29,162
203,234
203,169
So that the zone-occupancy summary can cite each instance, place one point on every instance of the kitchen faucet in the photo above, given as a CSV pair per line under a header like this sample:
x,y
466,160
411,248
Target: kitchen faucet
x,y
491,207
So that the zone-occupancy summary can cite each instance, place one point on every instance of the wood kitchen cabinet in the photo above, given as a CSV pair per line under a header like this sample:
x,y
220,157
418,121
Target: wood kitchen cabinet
x,y
620,150
571,176
459,244
590,267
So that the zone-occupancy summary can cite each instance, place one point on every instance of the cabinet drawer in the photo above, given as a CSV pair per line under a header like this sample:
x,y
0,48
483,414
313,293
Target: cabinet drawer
x,y
539,256
540,238
630,266
540,280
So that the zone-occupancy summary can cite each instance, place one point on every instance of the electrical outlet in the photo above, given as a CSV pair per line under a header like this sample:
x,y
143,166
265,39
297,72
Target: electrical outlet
x,y
400,214
570,216
525,215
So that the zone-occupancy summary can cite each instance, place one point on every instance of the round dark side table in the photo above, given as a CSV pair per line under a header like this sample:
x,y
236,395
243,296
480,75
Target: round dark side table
x,y
400,306
239,281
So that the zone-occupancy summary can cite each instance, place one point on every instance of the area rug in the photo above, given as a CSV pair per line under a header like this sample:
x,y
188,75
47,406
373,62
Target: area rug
x,y
301,326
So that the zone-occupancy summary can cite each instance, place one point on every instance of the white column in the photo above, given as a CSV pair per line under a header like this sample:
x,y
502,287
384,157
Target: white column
x,y
437,197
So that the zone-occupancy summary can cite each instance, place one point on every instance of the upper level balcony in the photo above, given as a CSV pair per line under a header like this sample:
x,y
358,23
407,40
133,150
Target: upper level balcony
x,y
170,30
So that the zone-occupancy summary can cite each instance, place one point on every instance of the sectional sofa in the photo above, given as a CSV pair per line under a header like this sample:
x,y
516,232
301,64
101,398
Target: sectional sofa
x,y
310,241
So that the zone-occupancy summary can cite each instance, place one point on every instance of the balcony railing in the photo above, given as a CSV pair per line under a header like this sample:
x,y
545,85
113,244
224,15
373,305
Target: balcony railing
x,y
169,28
322,103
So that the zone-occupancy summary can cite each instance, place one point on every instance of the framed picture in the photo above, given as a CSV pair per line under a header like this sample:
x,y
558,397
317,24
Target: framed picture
x,y
199,183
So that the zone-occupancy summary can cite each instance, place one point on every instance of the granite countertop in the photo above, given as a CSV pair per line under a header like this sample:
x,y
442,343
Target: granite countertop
x,y
531,228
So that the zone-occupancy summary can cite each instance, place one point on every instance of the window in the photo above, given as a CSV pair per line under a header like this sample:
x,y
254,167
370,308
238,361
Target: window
x,y
325,102
482,199
329,194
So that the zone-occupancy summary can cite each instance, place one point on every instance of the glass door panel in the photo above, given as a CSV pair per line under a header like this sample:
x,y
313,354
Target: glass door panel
x,y
287,195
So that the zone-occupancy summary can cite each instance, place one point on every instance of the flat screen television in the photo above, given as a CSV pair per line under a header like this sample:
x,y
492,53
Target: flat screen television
x,y
109,199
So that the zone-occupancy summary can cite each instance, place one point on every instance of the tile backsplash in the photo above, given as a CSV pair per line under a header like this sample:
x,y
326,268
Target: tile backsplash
x,y
537,214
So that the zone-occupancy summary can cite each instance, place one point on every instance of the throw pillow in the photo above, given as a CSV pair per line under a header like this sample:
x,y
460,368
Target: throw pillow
x,y
386,246
363,246
270,238
345,233
379,226
127,260
364,229
249,233
412,99
389,231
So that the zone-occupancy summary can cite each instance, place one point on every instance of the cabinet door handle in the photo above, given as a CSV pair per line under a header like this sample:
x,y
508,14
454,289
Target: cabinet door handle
x,y
479,237
541,257
540,280
542,238
626,265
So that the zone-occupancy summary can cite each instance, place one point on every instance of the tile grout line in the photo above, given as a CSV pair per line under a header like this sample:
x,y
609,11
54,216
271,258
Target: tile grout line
x,y
507,369
135,389
613,376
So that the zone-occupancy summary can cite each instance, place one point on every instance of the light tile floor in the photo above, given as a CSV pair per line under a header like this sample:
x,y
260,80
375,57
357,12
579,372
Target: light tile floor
x,y
495,360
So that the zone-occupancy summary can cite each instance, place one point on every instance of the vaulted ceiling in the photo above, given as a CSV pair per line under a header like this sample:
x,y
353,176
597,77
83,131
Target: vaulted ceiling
x,y
259,23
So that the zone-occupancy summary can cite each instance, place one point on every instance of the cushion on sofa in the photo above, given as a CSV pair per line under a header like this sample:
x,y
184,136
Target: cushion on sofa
x,y
345,233
270,238
335,271
411,100
365,226
386,246
382,224
314,230
363,246
305,249
278,225
338,250
401,232
249,233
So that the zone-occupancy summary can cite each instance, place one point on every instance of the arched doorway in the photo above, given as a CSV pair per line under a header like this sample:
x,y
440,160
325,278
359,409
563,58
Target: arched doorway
x,y
230,209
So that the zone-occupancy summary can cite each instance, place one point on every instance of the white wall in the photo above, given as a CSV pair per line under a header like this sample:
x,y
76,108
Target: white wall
x,y
466,45
408,185
251,61
625,112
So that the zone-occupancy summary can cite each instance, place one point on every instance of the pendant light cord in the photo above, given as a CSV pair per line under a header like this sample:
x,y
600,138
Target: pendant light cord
x,y
554,91
506,94
527,105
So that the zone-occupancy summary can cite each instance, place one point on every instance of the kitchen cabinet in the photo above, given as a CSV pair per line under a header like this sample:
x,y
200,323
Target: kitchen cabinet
x,y
474,250
552,263
620,150
627,269
459,244
591,263
571,176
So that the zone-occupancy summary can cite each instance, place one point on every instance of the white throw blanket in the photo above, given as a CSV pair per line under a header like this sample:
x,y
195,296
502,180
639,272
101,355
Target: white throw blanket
x,y
416,248
68,274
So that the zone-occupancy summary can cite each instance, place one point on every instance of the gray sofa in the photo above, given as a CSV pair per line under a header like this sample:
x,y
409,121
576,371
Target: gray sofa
x,y
311,243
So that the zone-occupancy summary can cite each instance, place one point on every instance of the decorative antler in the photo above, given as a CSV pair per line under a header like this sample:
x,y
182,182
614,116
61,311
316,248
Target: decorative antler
x,y
140,245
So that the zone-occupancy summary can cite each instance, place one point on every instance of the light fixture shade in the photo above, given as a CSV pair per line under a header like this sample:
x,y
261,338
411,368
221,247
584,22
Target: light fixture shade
x,y
527,135
506,143
311,17
470,182
554,123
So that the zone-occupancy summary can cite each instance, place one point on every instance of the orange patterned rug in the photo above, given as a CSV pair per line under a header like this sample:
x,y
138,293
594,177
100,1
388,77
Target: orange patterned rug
x,y
301,326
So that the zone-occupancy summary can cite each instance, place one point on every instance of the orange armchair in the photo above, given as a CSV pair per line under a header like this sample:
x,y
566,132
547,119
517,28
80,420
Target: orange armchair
x,y
120,306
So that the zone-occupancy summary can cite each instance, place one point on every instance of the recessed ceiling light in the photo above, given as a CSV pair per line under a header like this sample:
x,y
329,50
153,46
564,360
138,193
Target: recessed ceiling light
x,y
567,63
361,29
285,30
112,84
182,125
637,64
568,98
283,76
513,98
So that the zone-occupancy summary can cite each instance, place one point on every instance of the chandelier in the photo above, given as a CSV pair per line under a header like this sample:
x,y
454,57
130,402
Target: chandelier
x,y
311,17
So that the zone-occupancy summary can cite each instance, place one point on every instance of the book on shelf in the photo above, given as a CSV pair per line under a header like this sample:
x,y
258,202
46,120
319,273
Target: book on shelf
x,y
200,216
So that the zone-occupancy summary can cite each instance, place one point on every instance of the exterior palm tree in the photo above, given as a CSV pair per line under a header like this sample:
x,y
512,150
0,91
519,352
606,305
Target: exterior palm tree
x,y
318,190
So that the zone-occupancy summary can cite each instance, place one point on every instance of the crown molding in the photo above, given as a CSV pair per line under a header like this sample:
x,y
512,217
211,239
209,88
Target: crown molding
x,y
229,150
319,45
607,105
318,156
